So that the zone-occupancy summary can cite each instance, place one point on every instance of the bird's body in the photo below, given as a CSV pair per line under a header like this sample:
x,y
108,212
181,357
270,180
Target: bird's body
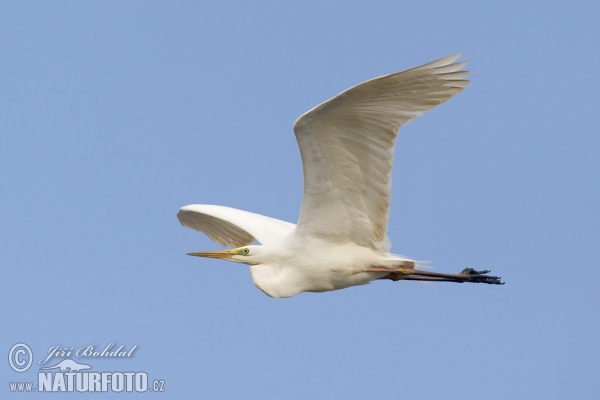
x,y
296,264
347,146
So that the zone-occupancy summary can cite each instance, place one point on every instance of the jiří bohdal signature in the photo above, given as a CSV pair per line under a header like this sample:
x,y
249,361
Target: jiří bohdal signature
x,y
89,351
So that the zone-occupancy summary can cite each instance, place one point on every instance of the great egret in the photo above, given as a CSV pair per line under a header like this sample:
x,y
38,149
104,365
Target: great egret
x,y
347,146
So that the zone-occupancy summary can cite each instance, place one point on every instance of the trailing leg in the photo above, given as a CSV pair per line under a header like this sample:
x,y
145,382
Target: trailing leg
x,y
411,274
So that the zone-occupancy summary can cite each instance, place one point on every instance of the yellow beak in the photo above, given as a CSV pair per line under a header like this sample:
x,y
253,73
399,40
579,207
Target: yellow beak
x,y
222,254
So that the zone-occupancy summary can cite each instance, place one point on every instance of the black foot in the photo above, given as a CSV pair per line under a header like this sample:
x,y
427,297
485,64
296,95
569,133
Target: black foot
x,y
480,276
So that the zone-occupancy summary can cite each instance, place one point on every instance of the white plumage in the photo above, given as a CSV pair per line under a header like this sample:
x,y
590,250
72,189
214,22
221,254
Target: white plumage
x,y
347,146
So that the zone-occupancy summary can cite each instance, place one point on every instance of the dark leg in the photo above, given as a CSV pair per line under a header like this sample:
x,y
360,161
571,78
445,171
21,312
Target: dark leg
x,y
411,274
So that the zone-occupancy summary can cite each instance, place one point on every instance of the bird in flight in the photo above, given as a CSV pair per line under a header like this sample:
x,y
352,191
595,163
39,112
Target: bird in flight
x,y
347,146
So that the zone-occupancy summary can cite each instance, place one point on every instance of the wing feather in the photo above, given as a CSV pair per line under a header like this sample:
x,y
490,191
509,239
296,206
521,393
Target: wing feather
x,y
232,227
347,146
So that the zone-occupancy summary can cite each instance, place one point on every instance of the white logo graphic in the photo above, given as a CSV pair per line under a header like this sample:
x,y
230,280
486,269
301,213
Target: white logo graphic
x,y
20,357
68,365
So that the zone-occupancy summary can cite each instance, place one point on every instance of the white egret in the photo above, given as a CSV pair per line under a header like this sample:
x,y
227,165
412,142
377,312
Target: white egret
x,y
347,146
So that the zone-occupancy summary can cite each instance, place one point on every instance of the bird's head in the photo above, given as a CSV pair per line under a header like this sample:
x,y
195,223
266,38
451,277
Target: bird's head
x,y
246,255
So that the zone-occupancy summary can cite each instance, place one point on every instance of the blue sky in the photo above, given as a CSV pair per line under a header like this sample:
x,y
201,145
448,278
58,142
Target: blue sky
x,y
113,115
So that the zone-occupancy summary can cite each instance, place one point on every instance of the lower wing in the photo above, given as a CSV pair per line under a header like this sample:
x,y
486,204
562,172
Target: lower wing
x,y
232,227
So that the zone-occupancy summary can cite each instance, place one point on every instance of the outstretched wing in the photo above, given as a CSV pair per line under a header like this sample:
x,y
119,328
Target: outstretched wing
x,y
347,146
231,227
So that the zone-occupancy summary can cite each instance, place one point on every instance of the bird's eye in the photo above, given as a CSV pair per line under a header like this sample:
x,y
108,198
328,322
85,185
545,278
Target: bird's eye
x,y
246,252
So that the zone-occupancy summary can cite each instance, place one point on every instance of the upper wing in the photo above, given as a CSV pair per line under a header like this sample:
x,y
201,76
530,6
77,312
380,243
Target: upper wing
x,y
231,227
347,146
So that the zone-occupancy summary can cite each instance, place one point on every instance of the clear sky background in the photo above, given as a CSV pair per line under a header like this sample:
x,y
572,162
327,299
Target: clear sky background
x,y
113,115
